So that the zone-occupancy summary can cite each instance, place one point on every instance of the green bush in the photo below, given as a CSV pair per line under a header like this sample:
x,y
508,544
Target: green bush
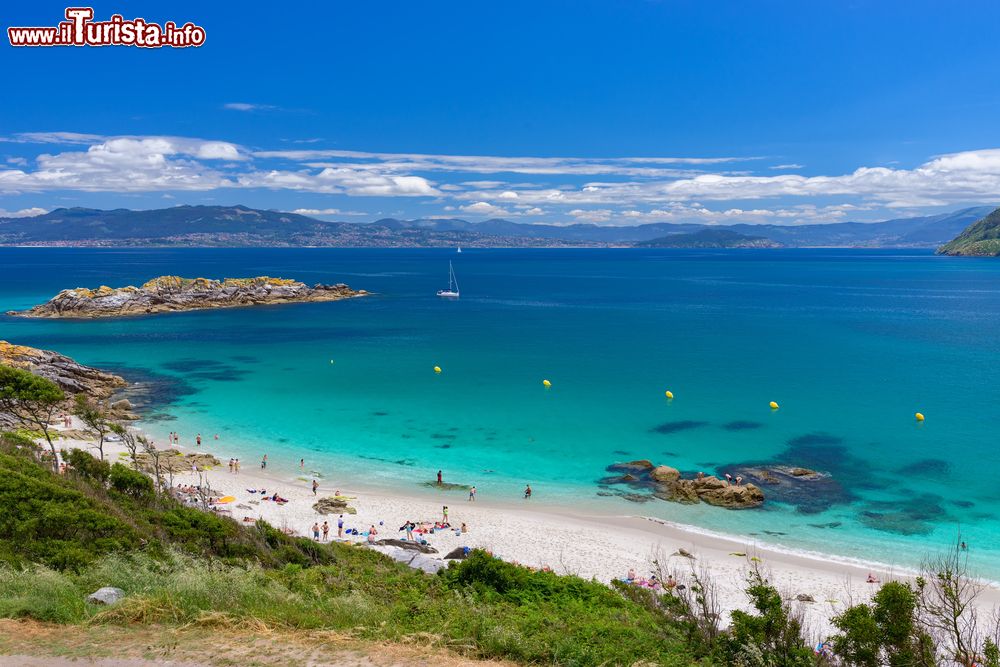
x,y
47,521
87,466
130,482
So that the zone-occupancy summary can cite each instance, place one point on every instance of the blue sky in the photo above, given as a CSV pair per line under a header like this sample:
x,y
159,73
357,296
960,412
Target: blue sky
x,y
613,112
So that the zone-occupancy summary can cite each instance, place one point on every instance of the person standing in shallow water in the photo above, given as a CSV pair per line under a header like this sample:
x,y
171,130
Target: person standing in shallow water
x,y
439,478
527,492
315,486
263,462
197,440
472,494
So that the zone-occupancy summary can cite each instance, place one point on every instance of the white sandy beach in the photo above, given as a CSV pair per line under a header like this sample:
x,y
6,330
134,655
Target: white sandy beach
x,y
602,547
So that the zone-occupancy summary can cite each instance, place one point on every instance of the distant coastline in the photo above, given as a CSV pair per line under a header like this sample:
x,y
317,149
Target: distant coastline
x,y
241,226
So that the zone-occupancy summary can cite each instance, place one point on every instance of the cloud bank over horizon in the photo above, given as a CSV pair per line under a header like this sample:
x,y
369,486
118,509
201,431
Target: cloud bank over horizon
x,y
43,170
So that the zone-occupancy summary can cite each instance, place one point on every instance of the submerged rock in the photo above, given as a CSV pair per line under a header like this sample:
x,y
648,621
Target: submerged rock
x,y
642,465
173,293
810,491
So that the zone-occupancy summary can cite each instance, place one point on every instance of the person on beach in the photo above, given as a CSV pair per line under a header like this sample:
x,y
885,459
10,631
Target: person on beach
x,y
408,527
236,466
527,492
872,579
739,480
316,532
472,494
444,514
302,464
315,486
729,479
340,526
439,478
465,528
197,440
326,531
371,535
263,462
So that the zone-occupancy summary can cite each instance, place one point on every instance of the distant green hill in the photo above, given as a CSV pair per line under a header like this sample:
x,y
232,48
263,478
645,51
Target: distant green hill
x,y
980,239
710,238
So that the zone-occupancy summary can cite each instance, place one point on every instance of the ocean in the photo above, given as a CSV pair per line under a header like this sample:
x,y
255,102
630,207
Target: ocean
x,y
850,343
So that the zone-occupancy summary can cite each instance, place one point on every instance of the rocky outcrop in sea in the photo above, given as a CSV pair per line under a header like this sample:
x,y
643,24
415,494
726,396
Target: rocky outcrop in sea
x,y
72,377
666,483
174,294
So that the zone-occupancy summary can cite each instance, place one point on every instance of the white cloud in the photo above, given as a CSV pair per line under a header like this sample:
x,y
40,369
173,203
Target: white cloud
x,y
599,215
65,138
218,150
23,213
635,189
484,208
485,164
787,167
247,106
325,212
317,211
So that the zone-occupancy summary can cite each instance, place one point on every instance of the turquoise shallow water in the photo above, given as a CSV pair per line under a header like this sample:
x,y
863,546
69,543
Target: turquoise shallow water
x,y
850,343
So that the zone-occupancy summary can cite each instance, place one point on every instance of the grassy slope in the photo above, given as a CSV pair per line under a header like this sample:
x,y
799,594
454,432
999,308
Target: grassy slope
x,y
980,239
65,536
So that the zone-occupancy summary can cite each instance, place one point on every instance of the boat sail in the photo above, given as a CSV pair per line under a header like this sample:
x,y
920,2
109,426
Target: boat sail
x,y
452,291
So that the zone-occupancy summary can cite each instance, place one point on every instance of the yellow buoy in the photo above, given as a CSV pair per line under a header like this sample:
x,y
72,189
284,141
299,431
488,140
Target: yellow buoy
x,y
668,394
774,405
546,383
919,416
437,369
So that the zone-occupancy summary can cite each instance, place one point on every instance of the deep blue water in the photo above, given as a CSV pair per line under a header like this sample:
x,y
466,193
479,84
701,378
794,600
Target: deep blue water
x,y
850,343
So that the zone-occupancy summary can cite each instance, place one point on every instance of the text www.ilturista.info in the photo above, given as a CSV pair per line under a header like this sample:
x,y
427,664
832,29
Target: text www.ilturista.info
x,y
79,29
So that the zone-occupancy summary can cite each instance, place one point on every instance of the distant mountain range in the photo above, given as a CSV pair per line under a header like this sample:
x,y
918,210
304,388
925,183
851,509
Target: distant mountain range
x,y
980,239
243,226
709,238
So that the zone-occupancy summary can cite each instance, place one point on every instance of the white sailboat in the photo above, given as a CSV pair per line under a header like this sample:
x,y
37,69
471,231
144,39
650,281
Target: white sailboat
x,y
459,248
452,291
